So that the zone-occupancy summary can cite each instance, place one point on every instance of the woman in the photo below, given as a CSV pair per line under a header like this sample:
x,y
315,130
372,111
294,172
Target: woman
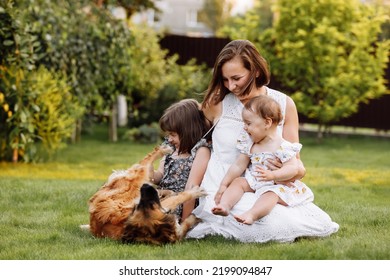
x,y
241,73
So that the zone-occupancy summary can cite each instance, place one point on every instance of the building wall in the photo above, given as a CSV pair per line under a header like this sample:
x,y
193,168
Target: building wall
x,y
178,17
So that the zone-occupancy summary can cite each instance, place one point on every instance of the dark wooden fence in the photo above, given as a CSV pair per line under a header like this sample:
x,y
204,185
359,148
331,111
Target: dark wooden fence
x,y
375,114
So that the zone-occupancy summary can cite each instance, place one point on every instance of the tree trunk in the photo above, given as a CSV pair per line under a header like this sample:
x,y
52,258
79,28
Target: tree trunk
x,y
320,134
113,123
76,134
122,110
15,155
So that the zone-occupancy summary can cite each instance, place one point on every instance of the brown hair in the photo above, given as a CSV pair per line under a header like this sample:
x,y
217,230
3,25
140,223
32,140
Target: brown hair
x,y
187,120
251,59
265,107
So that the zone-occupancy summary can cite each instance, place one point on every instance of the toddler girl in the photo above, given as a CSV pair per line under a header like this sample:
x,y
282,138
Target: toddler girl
x,y
260,142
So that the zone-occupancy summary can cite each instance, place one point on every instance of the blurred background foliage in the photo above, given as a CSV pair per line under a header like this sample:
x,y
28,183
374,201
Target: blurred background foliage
x,y
329,56
64,63
80,52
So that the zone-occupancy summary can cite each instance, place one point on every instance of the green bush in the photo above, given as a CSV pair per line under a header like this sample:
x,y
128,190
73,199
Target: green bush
x,y
40,113
146,134
157,79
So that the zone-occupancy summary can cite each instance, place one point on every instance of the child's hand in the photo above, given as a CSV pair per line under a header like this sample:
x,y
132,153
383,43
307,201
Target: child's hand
x,y
218,195
166,148
265,175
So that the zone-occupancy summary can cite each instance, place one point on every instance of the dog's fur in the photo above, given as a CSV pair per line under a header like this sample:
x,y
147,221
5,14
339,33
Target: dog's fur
x,y
121,209
151,222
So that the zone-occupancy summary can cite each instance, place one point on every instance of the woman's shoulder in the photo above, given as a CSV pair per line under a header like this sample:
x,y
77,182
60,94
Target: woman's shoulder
x,y
279,97
275,93
212,111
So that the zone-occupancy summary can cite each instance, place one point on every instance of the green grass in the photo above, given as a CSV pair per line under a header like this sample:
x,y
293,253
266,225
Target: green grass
x,y
42,206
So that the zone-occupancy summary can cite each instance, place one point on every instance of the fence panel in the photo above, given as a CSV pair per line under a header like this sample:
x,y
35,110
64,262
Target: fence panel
x,y
375,114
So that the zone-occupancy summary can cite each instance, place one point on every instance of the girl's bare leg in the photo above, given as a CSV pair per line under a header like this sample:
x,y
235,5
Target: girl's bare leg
x,y
261,208
231,196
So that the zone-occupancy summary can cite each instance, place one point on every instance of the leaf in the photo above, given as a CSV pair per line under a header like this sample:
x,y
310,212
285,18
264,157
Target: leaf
x,y
8,43
36,107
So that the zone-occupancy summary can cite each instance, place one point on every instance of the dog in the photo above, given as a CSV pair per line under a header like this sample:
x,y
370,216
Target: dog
x,y
152,222
129,208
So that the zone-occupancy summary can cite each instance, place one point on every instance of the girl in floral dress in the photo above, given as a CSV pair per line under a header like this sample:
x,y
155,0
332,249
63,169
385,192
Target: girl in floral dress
x,y
258,143
185,127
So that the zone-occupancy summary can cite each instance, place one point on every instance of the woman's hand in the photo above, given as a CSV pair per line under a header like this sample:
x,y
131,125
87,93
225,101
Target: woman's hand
x,y
274,164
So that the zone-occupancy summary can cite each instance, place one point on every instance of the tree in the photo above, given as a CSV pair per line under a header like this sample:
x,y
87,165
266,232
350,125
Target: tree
x,y
251,24
89,46
37,109
215,13
157,80
327,54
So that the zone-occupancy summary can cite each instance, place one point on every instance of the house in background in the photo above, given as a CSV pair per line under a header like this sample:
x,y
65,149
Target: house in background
x,y
180,17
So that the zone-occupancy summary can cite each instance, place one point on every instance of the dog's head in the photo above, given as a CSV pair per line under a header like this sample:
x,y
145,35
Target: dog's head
x,y
149,198
149,223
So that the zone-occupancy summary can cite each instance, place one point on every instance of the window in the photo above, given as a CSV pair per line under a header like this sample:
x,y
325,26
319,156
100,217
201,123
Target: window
x,y
192,18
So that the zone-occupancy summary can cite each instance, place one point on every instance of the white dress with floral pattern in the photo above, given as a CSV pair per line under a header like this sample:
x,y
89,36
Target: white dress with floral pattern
x,y
293,195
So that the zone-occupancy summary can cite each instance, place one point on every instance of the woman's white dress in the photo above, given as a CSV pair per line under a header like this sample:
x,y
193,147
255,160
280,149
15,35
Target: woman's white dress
x,y
283,224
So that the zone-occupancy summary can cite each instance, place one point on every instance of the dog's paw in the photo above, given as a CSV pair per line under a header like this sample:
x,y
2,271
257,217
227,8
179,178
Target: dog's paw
x,y
198,191
166,149
163,194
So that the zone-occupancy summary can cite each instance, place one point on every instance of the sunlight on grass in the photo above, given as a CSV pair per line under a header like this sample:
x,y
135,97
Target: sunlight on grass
x,y
376,177
44,204
85,171
90,171
343,176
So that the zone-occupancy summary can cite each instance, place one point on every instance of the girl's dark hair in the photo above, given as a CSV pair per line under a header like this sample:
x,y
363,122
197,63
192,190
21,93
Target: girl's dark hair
x,y
187,120
251,59
265,107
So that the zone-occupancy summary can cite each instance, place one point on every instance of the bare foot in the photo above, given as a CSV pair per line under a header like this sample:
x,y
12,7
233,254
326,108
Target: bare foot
x,y
220,210
245,218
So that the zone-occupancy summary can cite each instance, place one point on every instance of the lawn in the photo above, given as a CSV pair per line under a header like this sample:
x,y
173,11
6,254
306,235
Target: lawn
x,y
42,206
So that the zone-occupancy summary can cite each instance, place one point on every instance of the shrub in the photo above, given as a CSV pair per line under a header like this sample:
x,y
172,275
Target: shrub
x,y
40,113
144,134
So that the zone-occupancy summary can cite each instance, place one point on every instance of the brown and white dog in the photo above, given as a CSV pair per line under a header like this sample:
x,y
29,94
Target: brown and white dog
x,y
128,208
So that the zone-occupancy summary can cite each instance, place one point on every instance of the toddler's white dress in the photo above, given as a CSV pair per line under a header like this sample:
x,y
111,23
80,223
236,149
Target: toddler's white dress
x,y
283,224
297,193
